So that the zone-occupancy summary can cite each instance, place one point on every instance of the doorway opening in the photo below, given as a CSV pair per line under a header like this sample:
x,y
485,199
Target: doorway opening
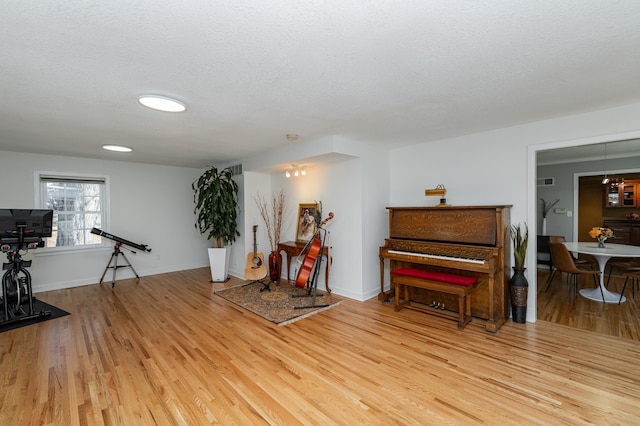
x,y
585,209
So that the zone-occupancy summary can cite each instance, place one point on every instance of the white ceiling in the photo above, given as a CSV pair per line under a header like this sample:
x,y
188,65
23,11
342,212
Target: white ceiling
x,y
380,71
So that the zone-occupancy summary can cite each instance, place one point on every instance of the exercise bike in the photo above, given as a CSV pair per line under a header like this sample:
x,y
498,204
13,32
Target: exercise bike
x,y
17,299
16,290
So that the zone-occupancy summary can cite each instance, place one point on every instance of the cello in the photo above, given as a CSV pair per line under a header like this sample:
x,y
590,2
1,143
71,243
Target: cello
x,y
314,247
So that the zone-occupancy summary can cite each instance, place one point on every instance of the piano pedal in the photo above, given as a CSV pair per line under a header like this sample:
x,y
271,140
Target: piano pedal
x,y
437,305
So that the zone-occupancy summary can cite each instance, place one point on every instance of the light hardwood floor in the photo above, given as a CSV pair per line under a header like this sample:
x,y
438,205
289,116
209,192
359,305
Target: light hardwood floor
x,y
167,351
557,306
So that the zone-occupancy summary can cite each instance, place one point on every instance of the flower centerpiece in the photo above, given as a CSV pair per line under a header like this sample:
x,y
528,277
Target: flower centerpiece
x,y
601,234
633,216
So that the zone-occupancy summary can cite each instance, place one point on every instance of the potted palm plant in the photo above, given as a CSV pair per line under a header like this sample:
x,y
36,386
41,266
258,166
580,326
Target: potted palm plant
x,y
518,282
216,210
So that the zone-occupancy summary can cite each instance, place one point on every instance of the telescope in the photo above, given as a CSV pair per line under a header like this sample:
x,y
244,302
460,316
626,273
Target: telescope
x,y
113,260
119,240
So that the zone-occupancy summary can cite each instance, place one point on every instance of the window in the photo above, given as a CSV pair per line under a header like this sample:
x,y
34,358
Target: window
x,y
78,204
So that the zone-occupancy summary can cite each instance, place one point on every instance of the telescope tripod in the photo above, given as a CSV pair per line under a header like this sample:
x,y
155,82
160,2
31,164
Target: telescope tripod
x,y
114,259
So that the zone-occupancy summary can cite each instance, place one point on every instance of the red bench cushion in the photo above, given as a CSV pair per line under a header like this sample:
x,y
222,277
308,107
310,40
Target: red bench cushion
x,y
436,276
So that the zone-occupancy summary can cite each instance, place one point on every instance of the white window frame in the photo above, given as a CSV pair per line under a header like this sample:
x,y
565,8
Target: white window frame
x,y
38,203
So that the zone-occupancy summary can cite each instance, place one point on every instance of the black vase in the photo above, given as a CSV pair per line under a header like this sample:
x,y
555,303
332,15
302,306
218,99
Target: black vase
x,y
519,291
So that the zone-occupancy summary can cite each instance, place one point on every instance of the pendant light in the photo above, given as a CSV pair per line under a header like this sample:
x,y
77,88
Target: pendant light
x,y
606,177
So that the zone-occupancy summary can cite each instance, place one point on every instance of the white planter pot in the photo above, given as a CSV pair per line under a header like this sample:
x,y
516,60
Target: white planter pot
x,y
219,264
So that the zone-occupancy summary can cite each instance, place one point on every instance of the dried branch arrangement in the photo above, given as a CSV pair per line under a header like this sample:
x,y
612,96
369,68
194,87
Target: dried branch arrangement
x,y
546,207
272,216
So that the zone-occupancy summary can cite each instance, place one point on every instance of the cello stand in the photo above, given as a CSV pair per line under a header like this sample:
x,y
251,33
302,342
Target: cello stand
x,y
265,286
114,259
312,284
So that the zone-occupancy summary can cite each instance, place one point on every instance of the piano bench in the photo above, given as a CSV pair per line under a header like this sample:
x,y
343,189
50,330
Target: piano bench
x,y
440,282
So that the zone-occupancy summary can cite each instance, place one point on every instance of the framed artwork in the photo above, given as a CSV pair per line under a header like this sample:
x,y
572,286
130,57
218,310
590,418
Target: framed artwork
x,y
307,224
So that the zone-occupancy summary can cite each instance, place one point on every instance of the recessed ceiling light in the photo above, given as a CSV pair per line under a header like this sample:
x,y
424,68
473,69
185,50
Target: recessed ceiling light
x,y
292,137
117,148
162,103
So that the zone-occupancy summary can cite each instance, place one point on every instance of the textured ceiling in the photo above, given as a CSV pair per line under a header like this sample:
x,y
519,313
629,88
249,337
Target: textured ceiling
x,y
392,72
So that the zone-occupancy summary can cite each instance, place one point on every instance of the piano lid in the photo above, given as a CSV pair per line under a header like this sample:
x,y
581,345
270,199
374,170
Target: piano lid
x,y
454,224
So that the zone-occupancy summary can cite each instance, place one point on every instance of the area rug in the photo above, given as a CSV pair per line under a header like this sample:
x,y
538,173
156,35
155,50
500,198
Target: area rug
x,y
38,306
278,305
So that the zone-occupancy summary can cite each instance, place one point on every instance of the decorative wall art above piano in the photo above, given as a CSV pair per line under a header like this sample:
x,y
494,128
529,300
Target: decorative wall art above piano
x,y
463,240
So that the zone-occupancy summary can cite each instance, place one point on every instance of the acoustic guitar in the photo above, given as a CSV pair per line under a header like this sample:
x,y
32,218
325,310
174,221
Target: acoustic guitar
x,y
313,249
256,269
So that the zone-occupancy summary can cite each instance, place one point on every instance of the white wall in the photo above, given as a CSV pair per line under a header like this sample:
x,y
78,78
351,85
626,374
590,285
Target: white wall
x,y
498,167
374,198
338,186
150,205
239,248
253,184
351,179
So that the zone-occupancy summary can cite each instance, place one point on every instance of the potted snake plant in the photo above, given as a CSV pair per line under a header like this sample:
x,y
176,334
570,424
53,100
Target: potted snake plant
x,y
216,209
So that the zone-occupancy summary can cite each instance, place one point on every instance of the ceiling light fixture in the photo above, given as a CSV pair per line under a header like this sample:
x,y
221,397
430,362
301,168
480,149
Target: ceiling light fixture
x,y
292,137
606,177
295,171
162,103
117,148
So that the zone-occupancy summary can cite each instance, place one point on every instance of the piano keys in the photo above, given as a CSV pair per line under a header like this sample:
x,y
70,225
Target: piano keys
x,y
438,256
464,240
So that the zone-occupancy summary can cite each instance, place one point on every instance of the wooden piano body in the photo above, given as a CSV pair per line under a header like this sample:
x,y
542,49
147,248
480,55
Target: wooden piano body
x,y
463,240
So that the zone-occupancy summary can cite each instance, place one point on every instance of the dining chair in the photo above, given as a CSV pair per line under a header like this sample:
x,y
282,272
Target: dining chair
x,y
579,262
633,274
623,264
563,261
543,257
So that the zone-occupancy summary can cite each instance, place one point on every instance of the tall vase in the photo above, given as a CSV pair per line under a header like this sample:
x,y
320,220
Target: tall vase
x,y
519,292
274,266
544,226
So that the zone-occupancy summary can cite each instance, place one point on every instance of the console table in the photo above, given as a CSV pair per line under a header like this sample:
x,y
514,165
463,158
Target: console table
x,y
292,248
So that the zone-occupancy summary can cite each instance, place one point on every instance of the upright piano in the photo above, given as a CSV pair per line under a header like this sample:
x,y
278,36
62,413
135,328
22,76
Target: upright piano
x,y
463,240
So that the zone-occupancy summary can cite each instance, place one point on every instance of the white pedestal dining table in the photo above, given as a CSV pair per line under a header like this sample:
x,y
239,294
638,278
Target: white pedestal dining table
x,y
602,256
